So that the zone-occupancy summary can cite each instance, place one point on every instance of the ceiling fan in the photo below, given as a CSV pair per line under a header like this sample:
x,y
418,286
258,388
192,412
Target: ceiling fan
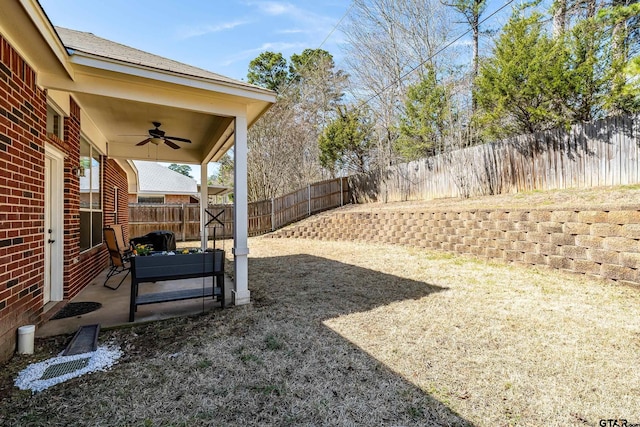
x,y
156,134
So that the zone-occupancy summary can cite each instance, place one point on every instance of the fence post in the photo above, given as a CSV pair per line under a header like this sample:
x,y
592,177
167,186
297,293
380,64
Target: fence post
x,y
309,197
273,215
341,192
184,223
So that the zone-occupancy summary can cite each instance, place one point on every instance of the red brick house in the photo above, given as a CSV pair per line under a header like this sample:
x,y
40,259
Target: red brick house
x,y
68,103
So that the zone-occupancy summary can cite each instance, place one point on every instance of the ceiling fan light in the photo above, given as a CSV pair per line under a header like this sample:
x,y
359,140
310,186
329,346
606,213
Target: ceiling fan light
x,y
155,141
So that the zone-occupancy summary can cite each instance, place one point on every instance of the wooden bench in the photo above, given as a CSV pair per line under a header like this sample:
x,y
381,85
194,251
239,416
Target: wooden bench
x,y
158,268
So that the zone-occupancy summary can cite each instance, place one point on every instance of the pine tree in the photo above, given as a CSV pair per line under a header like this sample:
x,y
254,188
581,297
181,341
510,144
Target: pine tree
x,y
522,87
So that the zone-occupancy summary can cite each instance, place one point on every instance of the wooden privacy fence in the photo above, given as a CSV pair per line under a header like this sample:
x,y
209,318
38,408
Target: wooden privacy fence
x,y
264,216
602,153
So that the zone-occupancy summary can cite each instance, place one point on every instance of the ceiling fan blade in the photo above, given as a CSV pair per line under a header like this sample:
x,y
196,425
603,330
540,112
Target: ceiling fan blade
x,y
171,144
144,142
175,138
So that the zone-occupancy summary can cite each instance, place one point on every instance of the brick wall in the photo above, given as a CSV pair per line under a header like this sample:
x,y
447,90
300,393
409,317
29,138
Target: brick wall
x,y
82,268
176,198
23,115
603,243
73,264
116,177
22,138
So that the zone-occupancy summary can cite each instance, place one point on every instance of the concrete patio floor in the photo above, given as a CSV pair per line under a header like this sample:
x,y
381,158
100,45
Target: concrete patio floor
x,y
115,304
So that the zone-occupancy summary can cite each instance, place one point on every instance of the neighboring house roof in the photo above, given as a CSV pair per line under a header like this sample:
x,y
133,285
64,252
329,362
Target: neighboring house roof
x,y
94,45
155,178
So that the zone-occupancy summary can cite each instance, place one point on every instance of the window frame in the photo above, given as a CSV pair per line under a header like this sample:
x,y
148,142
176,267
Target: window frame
x,y
150,197
93,152
58,117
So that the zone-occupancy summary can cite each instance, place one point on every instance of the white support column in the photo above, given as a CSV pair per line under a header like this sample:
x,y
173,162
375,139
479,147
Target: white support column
x,y
204,201
241,215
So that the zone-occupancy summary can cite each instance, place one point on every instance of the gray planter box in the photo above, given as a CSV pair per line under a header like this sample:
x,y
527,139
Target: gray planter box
x,y
157,268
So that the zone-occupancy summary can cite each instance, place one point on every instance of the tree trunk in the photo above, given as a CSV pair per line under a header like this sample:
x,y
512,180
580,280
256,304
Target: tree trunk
x,y
474,20
476,65
559,17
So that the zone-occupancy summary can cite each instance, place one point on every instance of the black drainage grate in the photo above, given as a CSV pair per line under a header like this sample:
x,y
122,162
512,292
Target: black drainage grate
x,y
64,368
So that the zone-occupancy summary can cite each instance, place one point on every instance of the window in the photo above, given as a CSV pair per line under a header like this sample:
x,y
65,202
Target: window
x,y
150,199
54,122
90,197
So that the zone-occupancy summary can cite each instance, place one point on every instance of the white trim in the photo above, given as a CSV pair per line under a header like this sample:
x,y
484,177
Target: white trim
x,y
55,107
241,294
89,140
57,221
204,199
57,117
46,30
207,83
62,100
92,81
53,151
132,187
90,131
93,149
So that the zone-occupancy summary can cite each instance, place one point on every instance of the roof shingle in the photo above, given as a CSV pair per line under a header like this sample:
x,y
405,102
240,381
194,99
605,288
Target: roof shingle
x,y
89,43
155,178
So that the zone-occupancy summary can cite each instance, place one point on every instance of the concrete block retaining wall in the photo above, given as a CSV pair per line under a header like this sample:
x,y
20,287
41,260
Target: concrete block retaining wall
x,y
604,243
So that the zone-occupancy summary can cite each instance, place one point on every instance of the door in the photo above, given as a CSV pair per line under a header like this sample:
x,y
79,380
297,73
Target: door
x,y
48,231
53,220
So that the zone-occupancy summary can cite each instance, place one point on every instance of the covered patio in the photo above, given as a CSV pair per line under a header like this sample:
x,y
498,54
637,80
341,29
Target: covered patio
x,y
114,304
77,110
123,91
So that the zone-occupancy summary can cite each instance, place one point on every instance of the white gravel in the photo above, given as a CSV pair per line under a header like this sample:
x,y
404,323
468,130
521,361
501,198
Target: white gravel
x,y
99,360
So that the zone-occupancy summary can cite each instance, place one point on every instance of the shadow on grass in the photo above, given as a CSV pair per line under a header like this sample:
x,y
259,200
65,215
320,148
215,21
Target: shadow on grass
x,y
272,363
332,287
307,290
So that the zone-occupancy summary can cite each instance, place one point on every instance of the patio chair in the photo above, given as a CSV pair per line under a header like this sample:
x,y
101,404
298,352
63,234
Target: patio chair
x,y
120,262
126,250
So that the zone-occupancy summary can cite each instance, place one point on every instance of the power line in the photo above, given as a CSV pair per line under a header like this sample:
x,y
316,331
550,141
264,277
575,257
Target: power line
x,y
335,27
439,51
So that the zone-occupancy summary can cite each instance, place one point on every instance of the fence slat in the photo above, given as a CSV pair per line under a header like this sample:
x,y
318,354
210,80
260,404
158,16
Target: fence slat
x,y
595,154
264,216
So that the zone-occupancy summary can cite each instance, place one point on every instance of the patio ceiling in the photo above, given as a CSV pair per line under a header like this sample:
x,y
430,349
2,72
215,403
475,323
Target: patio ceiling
x,y
123,109
124,123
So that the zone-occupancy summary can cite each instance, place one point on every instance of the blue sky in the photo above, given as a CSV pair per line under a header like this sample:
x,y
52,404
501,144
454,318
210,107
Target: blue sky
x,y
220,36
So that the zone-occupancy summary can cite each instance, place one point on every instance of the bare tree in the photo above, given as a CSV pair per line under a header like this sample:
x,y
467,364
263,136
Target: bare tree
x,y
283,145
274,145
472,10
389,43
317,89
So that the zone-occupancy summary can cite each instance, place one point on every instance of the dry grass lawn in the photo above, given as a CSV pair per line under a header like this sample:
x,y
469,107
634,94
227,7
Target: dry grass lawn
x,y
343,334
